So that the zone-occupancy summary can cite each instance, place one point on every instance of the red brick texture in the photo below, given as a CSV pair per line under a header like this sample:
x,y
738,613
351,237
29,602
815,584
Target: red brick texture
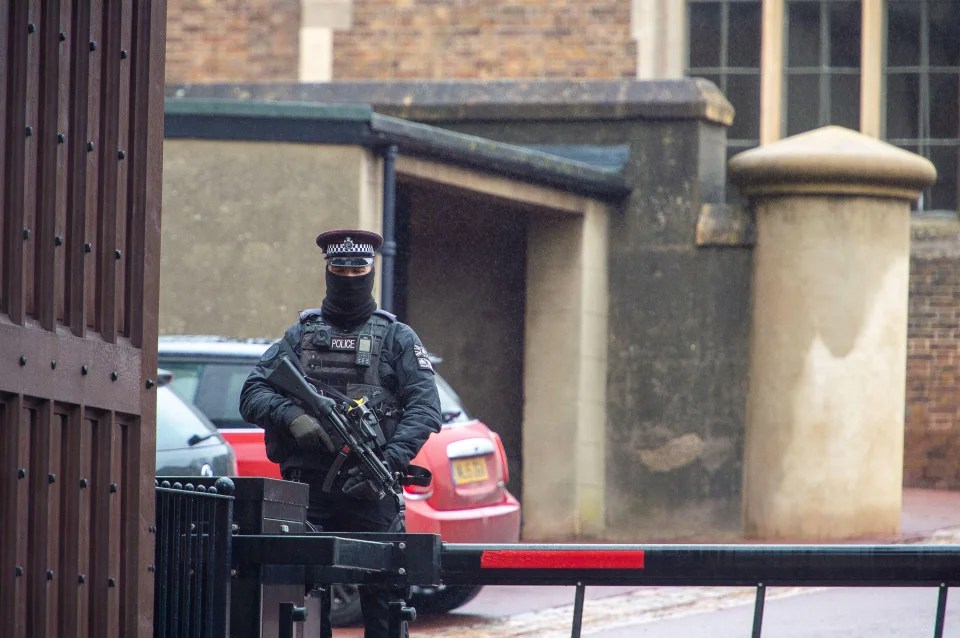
x,y
258,40
232,40
932,433
485,39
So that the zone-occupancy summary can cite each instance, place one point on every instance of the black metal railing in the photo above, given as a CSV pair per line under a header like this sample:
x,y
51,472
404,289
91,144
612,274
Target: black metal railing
x,y
193,553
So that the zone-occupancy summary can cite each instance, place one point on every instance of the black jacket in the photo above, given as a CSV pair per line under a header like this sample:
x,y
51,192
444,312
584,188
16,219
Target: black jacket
x,y
402,372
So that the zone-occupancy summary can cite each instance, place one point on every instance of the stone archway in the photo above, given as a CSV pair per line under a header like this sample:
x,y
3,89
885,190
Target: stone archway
x,y
510,278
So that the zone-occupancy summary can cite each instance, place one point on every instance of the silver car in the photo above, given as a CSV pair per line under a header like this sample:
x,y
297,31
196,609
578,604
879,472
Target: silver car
x,y
187,443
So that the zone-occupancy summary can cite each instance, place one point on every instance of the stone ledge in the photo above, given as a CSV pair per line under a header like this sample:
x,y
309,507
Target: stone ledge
x,y
935,235
434,101
831,161
725,225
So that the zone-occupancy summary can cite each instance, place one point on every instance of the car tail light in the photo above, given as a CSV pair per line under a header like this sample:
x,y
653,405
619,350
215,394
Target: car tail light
x,y
417,492
502,453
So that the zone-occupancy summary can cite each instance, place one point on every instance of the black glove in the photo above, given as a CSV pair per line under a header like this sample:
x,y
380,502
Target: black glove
x,y
310,435
361,488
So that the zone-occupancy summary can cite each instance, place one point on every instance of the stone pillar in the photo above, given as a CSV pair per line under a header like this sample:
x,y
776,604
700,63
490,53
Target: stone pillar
x,y
319,19
823,454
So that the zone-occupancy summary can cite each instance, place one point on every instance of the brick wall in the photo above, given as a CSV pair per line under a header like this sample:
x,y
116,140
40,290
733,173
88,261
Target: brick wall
x,y
258,40
232,40
932,434
483,39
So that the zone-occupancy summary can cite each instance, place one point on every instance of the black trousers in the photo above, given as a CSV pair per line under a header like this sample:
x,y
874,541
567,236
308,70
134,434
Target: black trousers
x,y
336,512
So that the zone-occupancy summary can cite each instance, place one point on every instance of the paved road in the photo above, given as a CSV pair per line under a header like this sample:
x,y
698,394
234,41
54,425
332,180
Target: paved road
x,y
832,613
658,612
696,612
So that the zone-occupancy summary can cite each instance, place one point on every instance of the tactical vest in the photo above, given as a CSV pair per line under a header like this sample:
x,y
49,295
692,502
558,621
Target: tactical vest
x,y
349,362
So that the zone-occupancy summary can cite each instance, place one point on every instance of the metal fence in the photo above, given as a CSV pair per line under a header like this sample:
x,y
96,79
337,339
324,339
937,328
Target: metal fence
x,y
193,553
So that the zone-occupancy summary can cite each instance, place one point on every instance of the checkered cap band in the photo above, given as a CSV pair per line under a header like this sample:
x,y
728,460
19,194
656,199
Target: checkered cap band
x,y
348,247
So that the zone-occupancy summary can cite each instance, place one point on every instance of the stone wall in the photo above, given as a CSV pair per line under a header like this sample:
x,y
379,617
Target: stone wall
x,y
257,40
239,219
676,339
679,312
232,40
932,435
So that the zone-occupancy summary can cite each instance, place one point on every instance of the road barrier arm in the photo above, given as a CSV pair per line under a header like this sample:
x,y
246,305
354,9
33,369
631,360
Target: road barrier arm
x,y
421,559
702,565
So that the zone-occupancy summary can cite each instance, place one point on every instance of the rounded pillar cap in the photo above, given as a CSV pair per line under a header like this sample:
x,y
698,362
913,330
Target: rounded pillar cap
x,y
831,160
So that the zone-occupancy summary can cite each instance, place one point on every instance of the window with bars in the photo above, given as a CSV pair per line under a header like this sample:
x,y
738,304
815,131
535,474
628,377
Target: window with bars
x,y
724,37
822,59
921,100
921,70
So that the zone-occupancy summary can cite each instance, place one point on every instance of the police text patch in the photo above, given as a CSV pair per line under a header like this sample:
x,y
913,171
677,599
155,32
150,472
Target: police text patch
x,y
343,343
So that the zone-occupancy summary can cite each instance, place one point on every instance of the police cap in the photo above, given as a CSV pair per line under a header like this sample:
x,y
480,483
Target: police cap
x,y
349,247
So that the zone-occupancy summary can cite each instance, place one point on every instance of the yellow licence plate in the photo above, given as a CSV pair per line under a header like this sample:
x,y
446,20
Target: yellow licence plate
x,y
470,470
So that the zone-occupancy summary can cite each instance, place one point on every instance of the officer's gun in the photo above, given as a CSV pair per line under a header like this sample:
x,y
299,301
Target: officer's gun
x,y
355,434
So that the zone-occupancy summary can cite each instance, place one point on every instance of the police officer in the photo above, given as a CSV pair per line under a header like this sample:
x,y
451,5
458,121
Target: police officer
x,y
348,349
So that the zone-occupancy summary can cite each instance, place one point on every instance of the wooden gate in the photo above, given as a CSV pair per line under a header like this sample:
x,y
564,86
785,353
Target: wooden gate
x,y
81,132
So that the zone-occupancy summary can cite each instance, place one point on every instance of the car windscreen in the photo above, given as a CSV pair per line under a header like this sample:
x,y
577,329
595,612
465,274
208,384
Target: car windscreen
x,y
214,387
176,421
450,405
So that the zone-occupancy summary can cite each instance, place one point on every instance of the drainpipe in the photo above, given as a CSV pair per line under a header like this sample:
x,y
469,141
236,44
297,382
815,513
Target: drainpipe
x,y
389,249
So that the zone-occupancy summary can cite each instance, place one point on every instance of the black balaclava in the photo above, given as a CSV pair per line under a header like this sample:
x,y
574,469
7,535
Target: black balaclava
x,y
349,301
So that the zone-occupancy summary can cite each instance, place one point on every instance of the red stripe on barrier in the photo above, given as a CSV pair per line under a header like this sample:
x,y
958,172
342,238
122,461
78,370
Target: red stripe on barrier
x,y
561,559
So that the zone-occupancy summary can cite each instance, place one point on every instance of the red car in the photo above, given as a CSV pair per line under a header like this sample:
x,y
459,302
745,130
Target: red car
x,y
467,501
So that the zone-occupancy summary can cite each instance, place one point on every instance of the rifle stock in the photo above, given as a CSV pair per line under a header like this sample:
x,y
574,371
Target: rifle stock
x,y
286,378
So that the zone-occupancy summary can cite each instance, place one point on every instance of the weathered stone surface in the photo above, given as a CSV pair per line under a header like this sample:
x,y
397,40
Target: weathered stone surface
x,y
497,100
678,324
725,225
832,159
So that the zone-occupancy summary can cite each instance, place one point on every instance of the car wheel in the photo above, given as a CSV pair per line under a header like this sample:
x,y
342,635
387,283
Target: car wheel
x,y
345,607
441,599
